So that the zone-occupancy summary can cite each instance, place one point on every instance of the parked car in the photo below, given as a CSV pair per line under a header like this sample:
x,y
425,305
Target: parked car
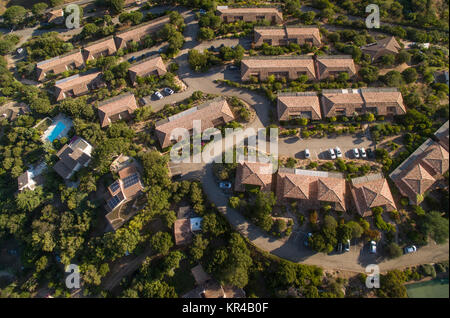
x,y
159,95
362,153
225,185
347,246
202,11
232,67
305,242
132,59
307,154
356,152
331,152
168,91
410,249
338,152
339,248
370,153
373,247
19,50
211,48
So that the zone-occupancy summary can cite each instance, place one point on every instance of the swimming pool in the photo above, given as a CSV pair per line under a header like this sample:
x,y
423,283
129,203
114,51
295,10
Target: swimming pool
x,y
59,127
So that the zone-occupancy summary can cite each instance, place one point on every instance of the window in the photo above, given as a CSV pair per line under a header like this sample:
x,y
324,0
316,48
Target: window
x,y
239,17
392,110
340,111
372,110
260,17
218,121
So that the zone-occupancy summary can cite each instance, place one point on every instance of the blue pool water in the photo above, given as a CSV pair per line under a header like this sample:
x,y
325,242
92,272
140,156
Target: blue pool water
x,y
56,131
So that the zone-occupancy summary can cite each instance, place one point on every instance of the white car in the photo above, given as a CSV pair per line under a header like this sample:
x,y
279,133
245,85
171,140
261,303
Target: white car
x,y
307,153
159,95
410,249
225,185
347,246
332,154
19,50
338,152
373,247
168,91
362,151
356,152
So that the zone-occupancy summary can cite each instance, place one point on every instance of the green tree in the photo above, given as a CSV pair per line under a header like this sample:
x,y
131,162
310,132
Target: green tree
x,y
38,9
435,225
410,75
15,15
28,200
393,250
161,242
116,5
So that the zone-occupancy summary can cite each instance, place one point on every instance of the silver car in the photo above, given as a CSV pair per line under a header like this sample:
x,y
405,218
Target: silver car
x,y
356,152
307,153
338,152
362,152
332,154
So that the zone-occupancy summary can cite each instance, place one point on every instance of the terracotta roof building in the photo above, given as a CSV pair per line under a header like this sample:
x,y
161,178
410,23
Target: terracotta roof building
x,y
103,47
254,174
26,181
298,105
382,47
78,85
418,173
286,34
312,188
136,33
59,64
215,112
55,15
72,157
149,66
333,65
348,102
124,189
442,135
250,14
290,67
116,108
371,191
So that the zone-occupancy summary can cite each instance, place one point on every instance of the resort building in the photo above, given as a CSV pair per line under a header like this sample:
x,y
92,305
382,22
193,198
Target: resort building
x,y
371,191
147,67
59,64
55,15
421,171
229,15
213,113
350,102
312,188
126,188
333,65
441,135
253,175
103,47
281,36
138,32
78,85
298,105
120,107
72,157
382,47
290,67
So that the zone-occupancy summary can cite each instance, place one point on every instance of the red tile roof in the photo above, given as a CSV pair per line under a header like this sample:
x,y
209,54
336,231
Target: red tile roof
x,y
113,107
257,174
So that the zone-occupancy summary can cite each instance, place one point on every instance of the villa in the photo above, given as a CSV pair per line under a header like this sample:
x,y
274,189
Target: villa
x,y
333,65
285,35
382,47
149,66
137,33
213,113
312,188
59,64
371,191
298,105
103,47
250,175
350,102
421,170
229,15
120,107
126,188
290,67
78,85
72,157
